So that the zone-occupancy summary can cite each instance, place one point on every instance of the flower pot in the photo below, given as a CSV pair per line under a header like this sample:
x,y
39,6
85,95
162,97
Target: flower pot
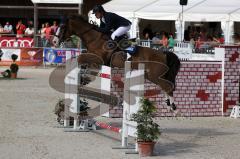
x,y
146,148
13,75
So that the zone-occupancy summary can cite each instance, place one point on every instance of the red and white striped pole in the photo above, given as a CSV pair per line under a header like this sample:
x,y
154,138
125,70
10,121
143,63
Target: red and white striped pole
x,y
109,127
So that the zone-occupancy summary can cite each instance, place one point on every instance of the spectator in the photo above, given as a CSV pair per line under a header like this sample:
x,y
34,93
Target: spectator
x,y
156,38
42,34
164,41
48,33
187,34
54,27
20,29
148,30
8,28
203,35
198,43
171,41
192,42
29,31
219,39
30,23
146,37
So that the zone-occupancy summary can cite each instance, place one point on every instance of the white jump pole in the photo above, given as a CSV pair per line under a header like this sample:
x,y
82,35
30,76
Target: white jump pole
x,y
72,78
133,91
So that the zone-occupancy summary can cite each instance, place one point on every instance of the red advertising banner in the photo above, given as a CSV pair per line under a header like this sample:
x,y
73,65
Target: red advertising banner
x,y
26,56
16,42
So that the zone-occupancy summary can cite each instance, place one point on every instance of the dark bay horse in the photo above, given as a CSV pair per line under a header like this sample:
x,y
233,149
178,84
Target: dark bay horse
x,y
161,67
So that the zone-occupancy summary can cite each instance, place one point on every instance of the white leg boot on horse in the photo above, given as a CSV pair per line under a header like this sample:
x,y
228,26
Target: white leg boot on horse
x,y
169,100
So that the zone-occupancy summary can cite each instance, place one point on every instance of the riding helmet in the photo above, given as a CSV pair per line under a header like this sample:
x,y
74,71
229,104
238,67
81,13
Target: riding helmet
x,y
98,8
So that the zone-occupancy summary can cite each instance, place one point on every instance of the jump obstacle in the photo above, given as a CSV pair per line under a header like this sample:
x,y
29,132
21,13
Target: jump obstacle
x,y
133,91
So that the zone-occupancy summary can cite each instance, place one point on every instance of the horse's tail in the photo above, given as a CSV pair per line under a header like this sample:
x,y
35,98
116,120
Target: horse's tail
x,y
174,64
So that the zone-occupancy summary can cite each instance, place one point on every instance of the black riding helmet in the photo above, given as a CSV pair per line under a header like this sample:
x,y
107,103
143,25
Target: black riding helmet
x,y
98,8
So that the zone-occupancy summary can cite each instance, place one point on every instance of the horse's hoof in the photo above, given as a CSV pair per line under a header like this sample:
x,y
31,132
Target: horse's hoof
x,y
173,106
167,101
169,109
110,45
177,113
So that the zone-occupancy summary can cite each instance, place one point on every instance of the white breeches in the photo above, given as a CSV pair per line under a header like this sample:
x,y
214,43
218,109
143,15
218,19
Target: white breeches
x,y
120,31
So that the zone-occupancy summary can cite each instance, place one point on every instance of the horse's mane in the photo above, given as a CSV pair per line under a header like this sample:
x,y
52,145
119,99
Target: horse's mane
x,y
80,18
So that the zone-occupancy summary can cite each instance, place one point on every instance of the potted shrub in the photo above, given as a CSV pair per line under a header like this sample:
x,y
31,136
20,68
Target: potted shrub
x,y
147,130
14,70
14,67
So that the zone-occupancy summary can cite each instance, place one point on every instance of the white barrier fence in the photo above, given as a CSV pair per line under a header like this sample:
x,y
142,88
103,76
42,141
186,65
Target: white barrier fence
x,y
133,91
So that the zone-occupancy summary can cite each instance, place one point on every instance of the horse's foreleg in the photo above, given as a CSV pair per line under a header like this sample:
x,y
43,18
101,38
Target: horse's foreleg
x,y
118,59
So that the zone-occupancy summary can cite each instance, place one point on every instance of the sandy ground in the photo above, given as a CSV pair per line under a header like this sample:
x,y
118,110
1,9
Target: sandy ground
x,y
28,129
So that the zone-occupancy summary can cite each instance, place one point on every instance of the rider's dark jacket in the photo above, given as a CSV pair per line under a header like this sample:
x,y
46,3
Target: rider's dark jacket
x,y
112,21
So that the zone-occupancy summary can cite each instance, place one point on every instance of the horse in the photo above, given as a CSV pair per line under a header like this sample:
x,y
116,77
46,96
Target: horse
x,y
161,67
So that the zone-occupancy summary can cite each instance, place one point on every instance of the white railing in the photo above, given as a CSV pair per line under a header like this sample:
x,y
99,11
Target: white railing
x,y
145,43
186,51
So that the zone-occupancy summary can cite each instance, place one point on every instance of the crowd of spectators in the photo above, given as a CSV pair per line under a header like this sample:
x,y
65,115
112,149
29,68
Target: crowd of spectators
x,y
166,40
46,33
200,37
20,30
196,37
7,28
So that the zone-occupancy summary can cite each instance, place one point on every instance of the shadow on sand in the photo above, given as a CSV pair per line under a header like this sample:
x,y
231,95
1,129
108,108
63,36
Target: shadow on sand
x,y
168,145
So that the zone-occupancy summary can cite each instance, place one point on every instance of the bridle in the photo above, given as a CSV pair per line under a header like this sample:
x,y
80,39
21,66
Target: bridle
x,y
63,30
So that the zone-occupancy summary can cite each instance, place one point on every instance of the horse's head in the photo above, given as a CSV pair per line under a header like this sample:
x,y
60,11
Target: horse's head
x,y
63,34
74,25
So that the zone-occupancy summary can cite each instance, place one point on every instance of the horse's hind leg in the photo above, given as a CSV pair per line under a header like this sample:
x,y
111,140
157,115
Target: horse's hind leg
x,y
169,100
167,86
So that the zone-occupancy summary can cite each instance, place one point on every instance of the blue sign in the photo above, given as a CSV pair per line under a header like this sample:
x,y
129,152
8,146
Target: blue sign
x,y
56,55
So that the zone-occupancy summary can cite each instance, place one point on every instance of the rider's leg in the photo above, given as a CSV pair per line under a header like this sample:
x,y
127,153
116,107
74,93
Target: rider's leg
x,y
120,31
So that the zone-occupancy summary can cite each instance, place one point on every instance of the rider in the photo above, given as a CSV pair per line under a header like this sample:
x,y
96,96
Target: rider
x,y
111,21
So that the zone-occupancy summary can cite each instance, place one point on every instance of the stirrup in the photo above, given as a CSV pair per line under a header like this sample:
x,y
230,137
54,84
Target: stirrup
x,y
124,43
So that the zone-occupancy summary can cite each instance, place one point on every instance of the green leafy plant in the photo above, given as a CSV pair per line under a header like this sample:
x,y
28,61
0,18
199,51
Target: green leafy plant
x,y
147,129
14,57
14,68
